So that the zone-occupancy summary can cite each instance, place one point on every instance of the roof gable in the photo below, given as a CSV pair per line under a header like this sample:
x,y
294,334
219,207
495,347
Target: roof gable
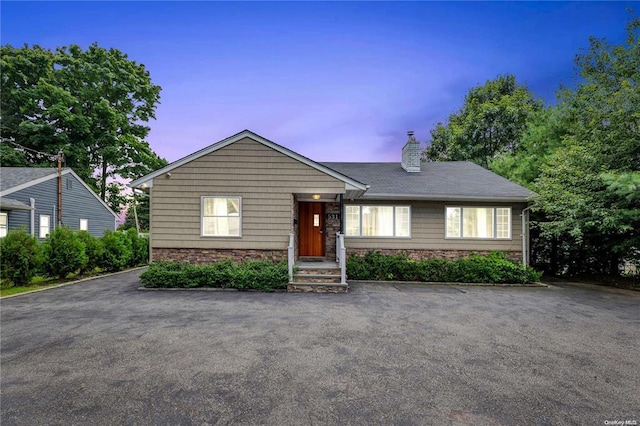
x,y
257,138
15,179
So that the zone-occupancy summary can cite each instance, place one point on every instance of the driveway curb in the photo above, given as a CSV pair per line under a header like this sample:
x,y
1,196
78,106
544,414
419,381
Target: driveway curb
x,y
434,283
72,282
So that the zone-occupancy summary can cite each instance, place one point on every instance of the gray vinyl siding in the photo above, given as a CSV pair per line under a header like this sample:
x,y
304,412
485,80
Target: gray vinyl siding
x,y
428,229
77,203
263,177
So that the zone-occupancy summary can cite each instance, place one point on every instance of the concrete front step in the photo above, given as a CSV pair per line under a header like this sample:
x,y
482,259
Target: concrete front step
x,y
312,271
317,278
309,287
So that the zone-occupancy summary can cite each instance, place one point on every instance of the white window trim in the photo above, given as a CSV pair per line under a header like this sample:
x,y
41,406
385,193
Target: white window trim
x,y
80,225
5,228
495,223
40,226
407,237
202,234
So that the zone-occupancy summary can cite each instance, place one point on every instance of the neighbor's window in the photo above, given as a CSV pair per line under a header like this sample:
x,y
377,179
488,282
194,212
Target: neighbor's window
x,y
378,221
84,224
478,222
3,225
221,216
45,225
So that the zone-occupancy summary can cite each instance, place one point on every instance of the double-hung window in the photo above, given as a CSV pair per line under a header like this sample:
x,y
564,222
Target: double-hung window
x,y
45,225
378,221
221,216
4,224
478,222
84,224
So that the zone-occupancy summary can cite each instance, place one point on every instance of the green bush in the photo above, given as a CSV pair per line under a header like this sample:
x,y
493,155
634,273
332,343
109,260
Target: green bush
x,y
494,268
117,251
64,253
92,248
139,248
260,275
20,257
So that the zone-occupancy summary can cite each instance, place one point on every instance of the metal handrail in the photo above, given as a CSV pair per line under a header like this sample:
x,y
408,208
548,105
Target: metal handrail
x,y
341,257
290,257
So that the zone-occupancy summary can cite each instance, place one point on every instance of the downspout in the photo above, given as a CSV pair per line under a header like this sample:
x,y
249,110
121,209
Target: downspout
x,y
32,223
525,234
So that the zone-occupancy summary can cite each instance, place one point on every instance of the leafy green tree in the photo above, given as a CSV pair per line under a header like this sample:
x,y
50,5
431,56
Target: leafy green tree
x,y
91,104
490,123
588,187
541,137
142,210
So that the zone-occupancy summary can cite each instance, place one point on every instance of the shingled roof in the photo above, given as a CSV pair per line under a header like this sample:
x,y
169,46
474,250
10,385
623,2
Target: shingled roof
x,y
11,177
450,180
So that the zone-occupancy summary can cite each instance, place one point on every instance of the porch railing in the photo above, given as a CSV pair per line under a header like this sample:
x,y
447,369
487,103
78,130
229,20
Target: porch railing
x,y
341,257
290,257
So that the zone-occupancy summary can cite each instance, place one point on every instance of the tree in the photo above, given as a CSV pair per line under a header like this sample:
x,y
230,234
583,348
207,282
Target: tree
x,y
542,135
589,187
142,204
490,123
91,104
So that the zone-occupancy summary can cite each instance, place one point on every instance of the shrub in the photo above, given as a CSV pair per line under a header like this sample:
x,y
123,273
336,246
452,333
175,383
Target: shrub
x,y
117,251
64,253
495,268
19,256
92,248
139,247
262,275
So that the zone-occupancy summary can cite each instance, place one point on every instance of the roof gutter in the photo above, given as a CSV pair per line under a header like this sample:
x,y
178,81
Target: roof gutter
x,y
370,196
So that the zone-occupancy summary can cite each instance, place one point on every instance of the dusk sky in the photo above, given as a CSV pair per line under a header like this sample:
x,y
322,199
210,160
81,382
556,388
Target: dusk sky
x,y
333,81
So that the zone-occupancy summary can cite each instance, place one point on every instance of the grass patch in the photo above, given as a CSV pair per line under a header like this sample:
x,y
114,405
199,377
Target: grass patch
x,y
39,282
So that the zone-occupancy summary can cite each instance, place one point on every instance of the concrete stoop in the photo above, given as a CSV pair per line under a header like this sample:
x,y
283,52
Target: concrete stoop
x,y
317,277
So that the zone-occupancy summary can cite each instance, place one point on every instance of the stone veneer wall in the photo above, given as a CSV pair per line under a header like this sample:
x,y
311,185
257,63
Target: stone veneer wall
x,y
200,256
332,227
417,254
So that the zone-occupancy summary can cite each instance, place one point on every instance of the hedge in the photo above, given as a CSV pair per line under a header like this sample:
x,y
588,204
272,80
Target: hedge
x,y
64,253
258,275
494,268
67,252
20,256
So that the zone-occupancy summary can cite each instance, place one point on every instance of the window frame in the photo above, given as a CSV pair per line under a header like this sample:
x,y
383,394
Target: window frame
x,y
360,209
86,221
40,225
495,223
4,227
202,216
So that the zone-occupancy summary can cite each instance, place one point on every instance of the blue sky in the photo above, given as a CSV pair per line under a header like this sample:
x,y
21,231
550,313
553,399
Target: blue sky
x,y
335,81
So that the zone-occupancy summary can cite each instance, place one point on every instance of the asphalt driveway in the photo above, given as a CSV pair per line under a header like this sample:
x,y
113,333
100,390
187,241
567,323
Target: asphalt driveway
x,y
102,352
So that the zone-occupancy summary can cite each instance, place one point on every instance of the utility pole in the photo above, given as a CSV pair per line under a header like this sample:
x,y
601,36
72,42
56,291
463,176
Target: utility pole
x,y
60,154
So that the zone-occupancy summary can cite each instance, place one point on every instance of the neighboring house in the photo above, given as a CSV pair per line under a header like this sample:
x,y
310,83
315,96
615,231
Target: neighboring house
x,y
29,199
246,197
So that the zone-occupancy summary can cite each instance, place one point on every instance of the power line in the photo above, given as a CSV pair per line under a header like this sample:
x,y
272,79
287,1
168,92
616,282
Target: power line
x,y
51,157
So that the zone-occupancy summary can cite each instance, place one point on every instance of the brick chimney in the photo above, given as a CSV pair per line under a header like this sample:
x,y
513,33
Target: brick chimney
x,y
411,154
